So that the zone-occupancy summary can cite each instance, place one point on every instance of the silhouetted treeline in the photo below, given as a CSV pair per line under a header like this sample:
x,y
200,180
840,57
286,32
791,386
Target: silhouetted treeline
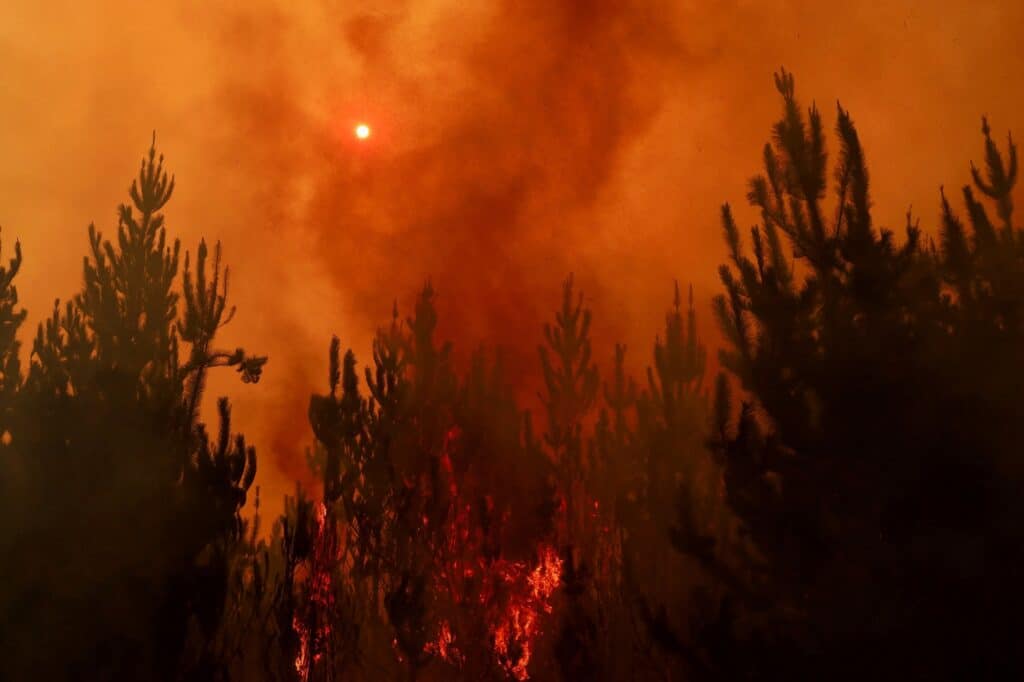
x,y
843,501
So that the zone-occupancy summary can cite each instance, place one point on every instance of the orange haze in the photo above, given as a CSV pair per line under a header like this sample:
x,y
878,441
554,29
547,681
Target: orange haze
x,y
513,142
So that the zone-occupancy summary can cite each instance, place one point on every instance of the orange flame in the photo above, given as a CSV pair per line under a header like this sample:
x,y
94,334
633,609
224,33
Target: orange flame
x,y
444,645
516,632
513,596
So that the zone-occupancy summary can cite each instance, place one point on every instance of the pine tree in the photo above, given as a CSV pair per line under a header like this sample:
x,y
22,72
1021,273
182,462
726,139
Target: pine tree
x,y
862,467
127,502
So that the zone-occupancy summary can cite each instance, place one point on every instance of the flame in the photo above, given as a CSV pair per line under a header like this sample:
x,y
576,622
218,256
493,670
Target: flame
x,y
516,631
511,597
302,657
546,576
444,645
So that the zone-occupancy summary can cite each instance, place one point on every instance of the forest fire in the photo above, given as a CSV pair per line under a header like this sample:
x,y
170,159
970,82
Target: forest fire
x,y
839,475
513,595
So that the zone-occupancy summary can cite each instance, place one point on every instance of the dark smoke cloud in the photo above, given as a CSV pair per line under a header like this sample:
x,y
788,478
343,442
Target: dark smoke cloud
x,y
490,200
481,175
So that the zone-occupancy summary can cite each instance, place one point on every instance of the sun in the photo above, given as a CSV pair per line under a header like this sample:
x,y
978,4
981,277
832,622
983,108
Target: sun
x,y
362,131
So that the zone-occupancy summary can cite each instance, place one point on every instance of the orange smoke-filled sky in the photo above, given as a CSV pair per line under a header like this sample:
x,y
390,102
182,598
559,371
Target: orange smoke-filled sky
x,y
514,141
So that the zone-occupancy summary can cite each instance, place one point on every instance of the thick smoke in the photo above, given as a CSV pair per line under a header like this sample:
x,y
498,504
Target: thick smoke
x,y
495,135
513,142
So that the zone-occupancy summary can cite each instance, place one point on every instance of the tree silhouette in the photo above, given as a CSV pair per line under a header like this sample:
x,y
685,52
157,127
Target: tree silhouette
x,y
127,507
863,468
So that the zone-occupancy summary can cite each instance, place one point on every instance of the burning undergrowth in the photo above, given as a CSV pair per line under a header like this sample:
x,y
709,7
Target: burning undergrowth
x,y
460,534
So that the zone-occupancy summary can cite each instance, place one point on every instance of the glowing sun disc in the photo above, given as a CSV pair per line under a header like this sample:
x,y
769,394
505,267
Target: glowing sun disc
x,y
362,131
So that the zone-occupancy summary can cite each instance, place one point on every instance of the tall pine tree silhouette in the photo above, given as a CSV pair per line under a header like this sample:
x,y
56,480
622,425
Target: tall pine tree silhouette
x,y
128,505
863,467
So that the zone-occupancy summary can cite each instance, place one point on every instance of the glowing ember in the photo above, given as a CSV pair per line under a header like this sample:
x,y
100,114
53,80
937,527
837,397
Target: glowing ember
x,y
545,577
362,131
444,645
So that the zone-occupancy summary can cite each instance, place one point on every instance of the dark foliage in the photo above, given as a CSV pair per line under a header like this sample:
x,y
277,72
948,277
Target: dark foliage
x,y
120,510
871,466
